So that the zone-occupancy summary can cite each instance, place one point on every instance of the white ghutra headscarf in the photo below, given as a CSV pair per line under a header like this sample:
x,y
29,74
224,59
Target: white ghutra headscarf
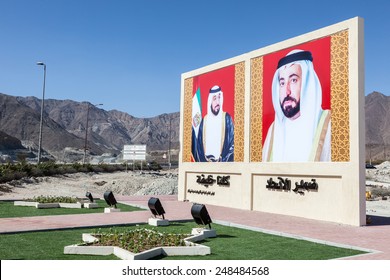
x,y
293,138
214,125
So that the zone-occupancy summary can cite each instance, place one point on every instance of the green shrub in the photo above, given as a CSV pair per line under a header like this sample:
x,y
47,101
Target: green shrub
x,y
54,199
107,167
17,175
77,166
36,172
48,168
68,169
154,166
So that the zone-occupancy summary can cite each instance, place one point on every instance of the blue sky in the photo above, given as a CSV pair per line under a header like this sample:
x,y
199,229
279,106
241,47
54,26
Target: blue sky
x,y
129,55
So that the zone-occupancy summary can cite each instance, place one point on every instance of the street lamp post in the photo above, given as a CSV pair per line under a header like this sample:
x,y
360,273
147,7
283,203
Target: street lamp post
x,y
86,132
42,105
169,144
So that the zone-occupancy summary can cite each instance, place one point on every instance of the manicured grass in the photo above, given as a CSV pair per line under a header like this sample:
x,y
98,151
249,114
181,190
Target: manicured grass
x,y
47,245
8,210
230,244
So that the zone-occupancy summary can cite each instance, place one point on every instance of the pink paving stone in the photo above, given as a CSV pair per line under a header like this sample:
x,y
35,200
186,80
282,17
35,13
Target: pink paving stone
x,y
375,237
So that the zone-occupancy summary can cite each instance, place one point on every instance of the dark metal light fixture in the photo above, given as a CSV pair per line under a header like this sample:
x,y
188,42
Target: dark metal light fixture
x,y
89,196
156,207
200,214
110,199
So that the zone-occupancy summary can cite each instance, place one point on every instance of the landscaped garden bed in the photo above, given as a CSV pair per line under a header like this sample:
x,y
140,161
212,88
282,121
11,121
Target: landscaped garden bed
x,y
42,202
139,244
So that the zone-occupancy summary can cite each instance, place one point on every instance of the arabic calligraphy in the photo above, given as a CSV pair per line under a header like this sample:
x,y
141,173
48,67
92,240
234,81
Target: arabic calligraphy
x,y
223,180
209,180
205,181
305,186
285,184
202,192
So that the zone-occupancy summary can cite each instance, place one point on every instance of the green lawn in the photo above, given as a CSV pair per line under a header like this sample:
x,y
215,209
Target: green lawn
x,y
8,210
230,244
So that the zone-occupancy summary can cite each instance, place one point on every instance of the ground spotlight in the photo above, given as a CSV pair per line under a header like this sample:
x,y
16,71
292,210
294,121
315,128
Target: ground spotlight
x,y
89,196
200,214
156,207
110,199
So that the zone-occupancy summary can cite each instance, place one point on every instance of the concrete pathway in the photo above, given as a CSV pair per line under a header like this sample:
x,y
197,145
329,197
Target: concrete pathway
x,y
374,237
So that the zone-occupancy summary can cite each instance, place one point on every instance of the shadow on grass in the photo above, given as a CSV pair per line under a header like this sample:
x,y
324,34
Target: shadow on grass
x,y
222,236
225,236
178,225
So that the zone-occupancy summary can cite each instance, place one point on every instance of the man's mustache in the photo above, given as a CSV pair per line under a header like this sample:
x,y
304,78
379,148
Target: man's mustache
x,y
289,98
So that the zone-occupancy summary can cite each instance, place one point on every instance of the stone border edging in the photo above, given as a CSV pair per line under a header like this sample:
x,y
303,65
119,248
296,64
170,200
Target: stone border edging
x,y
191,248
48,205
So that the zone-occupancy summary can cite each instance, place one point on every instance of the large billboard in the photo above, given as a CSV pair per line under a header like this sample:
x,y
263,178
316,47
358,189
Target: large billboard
x,y
279,129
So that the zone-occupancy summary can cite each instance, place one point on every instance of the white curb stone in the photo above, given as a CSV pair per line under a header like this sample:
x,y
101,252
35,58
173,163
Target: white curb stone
x,y
191,248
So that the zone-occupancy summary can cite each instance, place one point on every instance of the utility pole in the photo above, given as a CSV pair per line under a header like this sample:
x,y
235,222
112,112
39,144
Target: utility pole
x,y
169,143
42,105
86,132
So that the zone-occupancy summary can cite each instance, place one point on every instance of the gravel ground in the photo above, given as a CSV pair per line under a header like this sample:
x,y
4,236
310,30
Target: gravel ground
x,y
76,185
378,178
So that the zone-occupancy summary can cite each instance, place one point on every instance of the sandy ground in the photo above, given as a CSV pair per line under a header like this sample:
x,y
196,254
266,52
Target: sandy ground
x,y
378,178
76,185
378,208
148,183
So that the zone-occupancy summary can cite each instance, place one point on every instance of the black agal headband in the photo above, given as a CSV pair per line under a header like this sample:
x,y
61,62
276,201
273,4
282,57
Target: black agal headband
x,y
305,55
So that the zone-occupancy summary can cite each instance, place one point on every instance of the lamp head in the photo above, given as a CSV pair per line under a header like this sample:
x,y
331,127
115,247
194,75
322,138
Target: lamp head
x,y
200,214
89,196
156,207
110,199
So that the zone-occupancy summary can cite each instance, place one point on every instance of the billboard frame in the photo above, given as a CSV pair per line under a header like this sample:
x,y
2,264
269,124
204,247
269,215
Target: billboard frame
x,y
340,196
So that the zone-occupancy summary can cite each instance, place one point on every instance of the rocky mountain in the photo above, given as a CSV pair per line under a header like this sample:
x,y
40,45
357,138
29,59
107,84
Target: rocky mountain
x,y
377,109
23,123
65,127
8,142
13,147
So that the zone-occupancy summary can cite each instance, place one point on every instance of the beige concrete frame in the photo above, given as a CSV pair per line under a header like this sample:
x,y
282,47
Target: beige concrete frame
x,y
341,194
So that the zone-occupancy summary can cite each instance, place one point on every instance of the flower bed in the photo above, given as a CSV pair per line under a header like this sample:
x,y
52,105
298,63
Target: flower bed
x,y
54,199
138,240
140,244
42,202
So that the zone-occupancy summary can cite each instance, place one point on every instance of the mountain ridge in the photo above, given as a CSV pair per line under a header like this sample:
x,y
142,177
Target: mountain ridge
x,y
65,123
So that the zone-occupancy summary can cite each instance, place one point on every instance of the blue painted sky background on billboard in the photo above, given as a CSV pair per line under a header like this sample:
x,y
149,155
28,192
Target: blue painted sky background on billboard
x,y
129,55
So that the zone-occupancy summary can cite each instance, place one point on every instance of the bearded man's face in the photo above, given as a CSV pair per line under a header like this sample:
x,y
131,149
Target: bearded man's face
x,y
290,83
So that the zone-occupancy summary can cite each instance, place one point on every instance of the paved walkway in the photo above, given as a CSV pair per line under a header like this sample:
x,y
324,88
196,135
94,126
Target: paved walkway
x,y
374,237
